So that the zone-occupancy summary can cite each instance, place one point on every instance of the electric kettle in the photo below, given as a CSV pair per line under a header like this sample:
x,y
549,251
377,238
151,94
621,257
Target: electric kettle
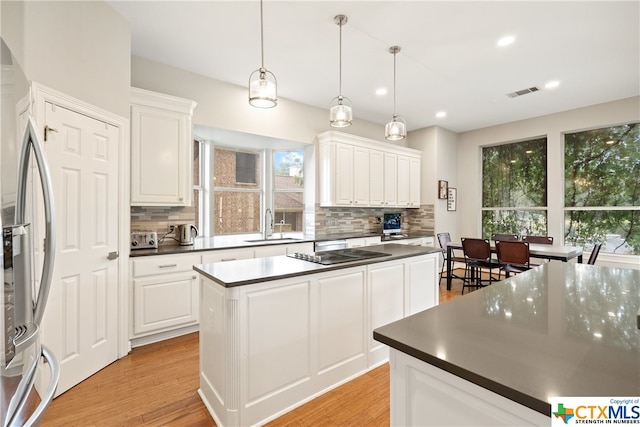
x,y
186,234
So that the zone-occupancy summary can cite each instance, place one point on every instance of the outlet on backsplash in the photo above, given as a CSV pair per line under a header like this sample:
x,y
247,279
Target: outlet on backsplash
x,y
330,222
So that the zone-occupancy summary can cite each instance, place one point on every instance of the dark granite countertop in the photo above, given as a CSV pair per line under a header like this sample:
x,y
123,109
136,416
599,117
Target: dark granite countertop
x,y
212,243
249,271
561,329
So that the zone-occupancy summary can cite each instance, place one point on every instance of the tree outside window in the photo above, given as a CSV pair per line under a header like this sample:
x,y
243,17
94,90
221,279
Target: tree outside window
x,y
514,188
602,189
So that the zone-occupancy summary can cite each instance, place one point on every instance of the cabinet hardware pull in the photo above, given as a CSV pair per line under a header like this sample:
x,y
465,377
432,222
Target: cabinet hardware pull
x,y
167,265
228,259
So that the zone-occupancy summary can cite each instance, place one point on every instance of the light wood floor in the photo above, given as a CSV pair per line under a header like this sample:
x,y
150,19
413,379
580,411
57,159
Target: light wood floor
x,y
156,385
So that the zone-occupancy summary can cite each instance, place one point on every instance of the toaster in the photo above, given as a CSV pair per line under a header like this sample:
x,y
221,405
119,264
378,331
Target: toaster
x,y
144,240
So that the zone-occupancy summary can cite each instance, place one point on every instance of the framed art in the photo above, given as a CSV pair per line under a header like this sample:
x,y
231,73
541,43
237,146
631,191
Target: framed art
x,y
451,200
442,189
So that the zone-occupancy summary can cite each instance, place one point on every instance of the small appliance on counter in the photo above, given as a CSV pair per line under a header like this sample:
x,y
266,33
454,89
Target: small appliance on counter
x,y
144,240
186,234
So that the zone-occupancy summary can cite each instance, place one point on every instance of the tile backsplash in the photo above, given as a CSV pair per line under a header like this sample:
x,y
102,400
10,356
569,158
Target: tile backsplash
x,y
330,221
319,222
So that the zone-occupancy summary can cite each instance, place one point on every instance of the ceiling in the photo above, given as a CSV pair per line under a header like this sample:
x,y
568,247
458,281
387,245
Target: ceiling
x,y
449,60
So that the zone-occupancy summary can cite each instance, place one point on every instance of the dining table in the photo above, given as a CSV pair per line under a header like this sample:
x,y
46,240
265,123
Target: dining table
x,y
536,250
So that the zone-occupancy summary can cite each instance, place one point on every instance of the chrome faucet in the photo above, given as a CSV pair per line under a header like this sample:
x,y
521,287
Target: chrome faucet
x,y
281,224
268,223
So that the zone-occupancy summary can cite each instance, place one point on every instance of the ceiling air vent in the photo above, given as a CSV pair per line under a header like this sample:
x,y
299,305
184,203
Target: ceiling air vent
x,y
523,92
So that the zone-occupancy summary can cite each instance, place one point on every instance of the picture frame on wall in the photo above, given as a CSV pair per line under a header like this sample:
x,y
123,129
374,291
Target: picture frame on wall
x,y
452,194
442,189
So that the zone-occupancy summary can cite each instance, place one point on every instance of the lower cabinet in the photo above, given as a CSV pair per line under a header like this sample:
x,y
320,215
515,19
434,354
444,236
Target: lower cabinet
x,y
165,289
164,297
268,347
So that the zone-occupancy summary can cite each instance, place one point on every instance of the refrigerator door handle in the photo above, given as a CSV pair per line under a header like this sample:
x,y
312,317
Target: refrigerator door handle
x,y
45,399
31,142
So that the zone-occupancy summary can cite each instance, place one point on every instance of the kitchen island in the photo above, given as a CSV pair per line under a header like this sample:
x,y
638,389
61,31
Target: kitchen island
x,y
276,332
496,356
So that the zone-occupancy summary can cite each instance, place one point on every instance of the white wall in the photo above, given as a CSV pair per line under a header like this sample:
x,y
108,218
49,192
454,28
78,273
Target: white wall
x,y
223,105
439,148
82,49
553,127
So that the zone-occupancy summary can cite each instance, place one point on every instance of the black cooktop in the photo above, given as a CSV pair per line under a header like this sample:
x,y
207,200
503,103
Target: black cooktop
x,y
337,256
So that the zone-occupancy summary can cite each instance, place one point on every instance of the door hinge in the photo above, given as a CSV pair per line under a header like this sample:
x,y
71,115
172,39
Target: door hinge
x,y
48,129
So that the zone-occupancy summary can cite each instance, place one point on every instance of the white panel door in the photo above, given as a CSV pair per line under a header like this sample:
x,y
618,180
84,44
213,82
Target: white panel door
x,y
80,322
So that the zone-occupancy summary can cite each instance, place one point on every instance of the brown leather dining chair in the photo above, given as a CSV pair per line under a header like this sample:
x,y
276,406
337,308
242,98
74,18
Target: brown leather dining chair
x,y
542,240
498,236
477,254
513,256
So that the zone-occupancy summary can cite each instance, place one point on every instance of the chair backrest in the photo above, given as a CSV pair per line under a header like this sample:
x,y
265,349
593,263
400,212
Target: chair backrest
x,y
543,240
476,249
594,253
497,236
443,239
513,253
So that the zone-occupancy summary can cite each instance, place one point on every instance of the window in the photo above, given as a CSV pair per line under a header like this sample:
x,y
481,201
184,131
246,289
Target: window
x,y
237,192
288,190
238,184
514,188
602,188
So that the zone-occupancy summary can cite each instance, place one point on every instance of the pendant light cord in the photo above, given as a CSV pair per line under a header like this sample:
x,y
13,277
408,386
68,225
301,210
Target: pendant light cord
x,y
340,63
394,85
261,38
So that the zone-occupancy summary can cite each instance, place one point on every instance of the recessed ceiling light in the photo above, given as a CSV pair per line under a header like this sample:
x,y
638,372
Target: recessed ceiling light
x,y
506,41
441,114
552,84
381,91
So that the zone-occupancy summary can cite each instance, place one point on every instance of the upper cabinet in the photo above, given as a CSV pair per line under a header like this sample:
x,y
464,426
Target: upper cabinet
x,y
360,172
161,149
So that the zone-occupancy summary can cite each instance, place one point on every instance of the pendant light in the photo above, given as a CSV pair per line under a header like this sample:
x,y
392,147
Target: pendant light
x,y
263,87
340,112
396,129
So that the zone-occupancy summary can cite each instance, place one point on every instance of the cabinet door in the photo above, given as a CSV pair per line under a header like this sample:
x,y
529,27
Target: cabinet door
x,y
386,293
376,178
421,289
164,302
403,181
390,179
360,170
269,250
160,157
228,255
344,175
414,182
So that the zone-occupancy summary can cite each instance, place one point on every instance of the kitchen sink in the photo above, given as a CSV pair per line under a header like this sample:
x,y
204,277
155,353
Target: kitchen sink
x,y
283,239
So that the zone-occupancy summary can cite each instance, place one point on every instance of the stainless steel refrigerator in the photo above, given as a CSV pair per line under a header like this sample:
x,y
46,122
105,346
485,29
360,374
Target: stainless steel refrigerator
x,y
25,185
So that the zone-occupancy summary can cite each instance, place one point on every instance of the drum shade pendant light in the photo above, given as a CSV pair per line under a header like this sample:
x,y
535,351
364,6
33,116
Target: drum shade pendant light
x,y
340,112
263,87
396,129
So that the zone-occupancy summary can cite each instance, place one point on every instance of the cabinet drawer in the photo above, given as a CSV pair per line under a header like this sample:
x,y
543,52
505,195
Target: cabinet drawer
x,y
163,264
227,255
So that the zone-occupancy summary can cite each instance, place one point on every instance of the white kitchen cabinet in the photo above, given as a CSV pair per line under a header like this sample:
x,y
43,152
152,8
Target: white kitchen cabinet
x,y
355,171
165,295
414,182
161,149
390,198
347,175
403,182
363,241
275,250
376,178
221,255
303,335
